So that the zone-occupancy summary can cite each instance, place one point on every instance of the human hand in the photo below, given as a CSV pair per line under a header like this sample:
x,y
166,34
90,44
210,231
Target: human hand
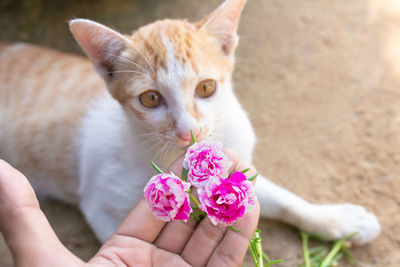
x,y
141,240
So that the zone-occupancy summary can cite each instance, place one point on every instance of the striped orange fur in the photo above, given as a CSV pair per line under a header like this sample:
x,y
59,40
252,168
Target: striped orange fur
x,y
43,96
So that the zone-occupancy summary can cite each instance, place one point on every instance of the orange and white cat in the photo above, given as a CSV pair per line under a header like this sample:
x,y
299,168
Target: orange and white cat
x,y
90,143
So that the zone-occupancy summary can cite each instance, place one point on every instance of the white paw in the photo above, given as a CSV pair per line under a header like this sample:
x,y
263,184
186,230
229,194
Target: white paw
x,y
338,221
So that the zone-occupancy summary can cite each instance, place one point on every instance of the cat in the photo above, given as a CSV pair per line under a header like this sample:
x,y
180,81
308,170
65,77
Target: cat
x,y
87,139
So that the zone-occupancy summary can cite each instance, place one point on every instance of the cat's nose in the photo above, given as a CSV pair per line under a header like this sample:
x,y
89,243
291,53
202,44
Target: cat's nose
x,y
186,136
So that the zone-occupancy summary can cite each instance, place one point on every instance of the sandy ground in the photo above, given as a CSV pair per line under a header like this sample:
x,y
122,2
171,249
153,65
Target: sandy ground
x,y
320,81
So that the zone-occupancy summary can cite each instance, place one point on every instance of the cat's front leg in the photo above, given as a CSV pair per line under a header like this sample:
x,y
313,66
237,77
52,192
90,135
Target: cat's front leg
x,y
106,204
100,218
105,212
332,221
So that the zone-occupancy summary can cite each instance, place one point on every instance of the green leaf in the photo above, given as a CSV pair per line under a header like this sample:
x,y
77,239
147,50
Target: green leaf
x,y
349,256
337,245
317,257
184,174
195,217
273,262
265,257
198,215
315,236
156,167
317,250
234,229
245,170
192,135
350,236
252,177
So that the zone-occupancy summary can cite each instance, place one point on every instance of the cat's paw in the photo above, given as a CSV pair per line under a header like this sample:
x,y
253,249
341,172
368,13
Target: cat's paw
x,y
338,221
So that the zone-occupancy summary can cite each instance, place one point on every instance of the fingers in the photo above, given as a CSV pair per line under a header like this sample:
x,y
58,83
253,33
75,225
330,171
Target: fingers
x,y
26,229
232,249
141,223
203,242
15,191
175,234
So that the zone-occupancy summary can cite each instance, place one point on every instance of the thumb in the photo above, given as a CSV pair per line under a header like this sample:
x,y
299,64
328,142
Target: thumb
x,y
26,230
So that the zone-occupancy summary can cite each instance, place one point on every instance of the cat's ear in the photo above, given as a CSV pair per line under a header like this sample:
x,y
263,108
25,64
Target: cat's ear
x,y
102,44
223,24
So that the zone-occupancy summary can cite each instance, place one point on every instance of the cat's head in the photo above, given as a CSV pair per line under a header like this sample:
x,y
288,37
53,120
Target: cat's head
x,y
170,76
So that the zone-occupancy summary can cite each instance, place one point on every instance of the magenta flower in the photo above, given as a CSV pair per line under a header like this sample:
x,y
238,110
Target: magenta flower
x,y
204,160
226,200
167,197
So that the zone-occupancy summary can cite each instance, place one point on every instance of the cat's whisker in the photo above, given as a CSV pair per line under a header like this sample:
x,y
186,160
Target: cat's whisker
x,y
131,62
141,75
148,63
157,155
161,152
145,57
155,138
127,60
146,134
126,71
138,77
132,71
149,138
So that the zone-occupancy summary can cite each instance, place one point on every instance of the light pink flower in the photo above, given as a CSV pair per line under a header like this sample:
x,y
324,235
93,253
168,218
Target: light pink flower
x,y
167,197
204,160
226,200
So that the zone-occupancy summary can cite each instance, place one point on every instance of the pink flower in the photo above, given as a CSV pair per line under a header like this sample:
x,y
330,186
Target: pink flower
x,y
167,197
204,160
226,200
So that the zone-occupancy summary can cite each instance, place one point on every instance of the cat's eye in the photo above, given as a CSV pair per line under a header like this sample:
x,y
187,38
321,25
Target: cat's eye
x,y
206,88
150,99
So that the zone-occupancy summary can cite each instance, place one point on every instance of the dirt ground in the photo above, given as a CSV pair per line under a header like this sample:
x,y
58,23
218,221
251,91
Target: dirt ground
x,y
320,80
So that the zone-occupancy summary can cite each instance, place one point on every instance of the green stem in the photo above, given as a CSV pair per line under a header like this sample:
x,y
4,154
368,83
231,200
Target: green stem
x,y
195,201
336,248
253,253
265,257
304,239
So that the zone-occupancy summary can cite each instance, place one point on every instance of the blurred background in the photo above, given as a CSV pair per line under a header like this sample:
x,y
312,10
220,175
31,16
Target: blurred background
x,y
320,80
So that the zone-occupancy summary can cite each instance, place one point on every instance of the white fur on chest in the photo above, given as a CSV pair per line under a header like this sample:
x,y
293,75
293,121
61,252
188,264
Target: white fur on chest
x,y
113,166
